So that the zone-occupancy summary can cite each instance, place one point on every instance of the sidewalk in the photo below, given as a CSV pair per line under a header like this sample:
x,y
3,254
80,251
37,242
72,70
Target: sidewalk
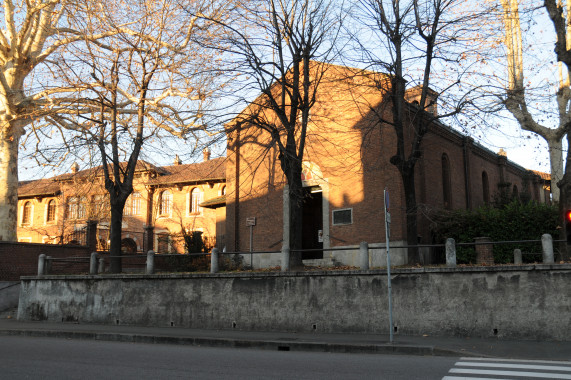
x,y
353,343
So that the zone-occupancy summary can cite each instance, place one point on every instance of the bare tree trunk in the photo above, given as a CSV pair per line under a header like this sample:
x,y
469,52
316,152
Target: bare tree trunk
x,y
9,139
411,215
555,147
115,237
296,219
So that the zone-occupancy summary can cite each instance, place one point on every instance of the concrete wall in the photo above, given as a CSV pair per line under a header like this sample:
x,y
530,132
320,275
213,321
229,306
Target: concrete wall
x,y
526,302
9,294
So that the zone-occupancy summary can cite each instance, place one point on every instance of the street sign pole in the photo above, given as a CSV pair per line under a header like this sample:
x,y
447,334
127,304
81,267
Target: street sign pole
x,y
251,222
387,237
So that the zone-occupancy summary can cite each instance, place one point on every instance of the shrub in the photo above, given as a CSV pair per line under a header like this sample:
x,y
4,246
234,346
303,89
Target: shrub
x,y
509,222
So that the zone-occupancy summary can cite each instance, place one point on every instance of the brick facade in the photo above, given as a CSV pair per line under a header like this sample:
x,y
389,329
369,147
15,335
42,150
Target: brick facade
x,y
79,197
349,153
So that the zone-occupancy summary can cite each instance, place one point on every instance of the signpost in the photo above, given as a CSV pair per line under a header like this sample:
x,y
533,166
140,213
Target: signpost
x,y
251,222
387,237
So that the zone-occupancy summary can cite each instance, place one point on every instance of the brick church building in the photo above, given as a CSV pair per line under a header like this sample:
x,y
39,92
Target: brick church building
x,y
345,170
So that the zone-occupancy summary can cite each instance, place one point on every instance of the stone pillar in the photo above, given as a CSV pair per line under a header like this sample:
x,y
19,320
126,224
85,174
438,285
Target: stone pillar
x,y
517,256
93,263
214,260
101,267
547,248
450,253
41,264
484,252
148,238
150,262
92,235
364,255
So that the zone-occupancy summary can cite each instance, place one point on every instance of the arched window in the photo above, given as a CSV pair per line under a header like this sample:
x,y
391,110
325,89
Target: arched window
x,y
195,200
27,213
81,208
485,187
515,193
133,204
165,203
72,205
51,213
446,183
223,191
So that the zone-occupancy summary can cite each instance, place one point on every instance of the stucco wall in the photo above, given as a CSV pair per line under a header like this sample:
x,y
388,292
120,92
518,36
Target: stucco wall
x,y
529,302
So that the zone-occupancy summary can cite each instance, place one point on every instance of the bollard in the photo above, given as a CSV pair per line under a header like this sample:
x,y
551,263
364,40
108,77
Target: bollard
x,y
214,260
364,255
450,253
41,265
547,248
101,268
48,265
93,263
150,262
285,259
517,256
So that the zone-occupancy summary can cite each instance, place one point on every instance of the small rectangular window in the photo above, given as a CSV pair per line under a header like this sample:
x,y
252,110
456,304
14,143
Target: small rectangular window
x,y
343,216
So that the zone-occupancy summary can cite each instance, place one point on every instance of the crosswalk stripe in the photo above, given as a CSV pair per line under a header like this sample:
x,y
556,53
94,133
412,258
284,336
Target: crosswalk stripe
x,y
544,375
516,360
520,366
470,378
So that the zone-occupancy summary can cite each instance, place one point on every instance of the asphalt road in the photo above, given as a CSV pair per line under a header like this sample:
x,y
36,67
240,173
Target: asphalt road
x,y
52,358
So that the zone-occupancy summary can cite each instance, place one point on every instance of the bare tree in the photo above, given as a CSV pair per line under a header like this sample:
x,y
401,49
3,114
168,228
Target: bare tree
x,y
402,41
279,48
144,84
33,32
516,100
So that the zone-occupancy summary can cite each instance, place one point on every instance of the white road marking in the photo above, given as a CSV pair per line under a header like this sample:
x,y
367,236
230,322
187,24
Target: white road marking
x,y
516,360
519,366
543,375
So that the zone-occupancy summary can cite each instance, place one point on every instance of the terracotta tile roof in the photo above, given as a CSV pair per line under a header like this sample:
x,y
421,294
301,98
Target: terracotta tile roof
x,y
544,176
214,169
40,187
98,171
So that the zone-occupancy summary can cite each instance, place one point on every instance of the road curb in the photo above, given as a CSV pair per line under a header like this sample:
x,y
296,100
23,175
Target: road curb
x,y
385,349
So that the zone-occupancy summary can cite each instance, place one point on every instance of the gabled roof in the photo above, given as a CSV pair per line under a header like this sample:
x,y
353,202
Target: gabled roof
x,y
41,187
141,166
211,170
214,169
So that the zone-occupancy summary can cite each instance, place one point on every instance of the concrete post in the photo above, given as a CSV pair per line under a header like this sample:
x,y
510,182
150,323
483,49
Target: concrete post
x,y
517,256
450,253
150,262
364,255
547,248
285,259
41,264
93,263
214,260
101,267
48,265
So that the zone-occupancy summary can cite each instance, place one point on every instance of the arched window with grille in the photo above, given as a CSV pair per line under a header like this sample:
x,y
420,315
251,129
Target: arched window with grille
x,y
51,212
485,187
195,201
165,203
27,213
446,182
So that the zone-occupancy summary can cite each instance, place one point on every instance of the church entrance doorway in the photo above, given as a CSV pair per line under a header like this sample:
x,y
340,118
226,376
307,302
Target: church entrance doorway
x,y
312,223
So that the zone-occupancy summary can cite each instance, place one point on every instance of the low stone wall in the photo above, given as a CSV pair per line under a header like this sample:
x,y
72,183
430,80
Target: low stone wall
x,y
524,302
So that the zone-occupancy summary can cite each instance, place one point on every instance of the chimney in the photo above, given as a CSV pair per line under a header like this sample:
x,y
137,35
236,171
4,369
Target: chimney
x,y
74,168
206,154
177,160
412,95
